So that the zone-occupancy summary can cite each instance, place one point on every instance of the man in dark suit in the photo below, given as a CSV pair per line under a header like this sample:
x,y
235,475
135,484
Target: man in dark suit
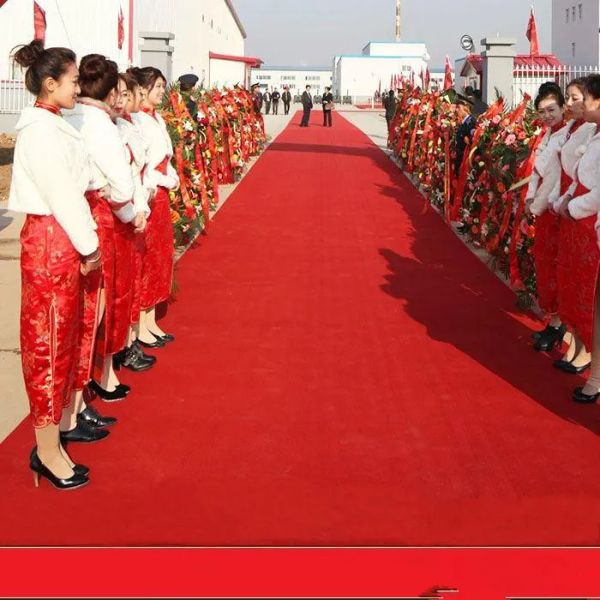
x,y
307,105
389,103
257,98
479,106
464,133
275,95
287,100
267,100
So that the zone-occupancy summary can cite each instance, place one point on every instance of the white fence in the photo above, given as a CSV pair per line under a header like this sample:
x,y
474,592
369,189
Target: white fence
x,y
13,96
528,78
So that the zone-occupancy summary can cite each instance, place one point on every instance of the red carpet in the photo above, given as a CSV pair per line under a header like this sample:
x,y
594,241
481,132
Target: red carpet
x,y
345,372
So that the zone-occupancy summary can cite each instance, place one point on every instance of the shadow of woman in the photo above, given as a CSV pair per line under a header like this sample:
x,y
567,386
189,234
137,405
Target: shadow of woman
x,y
460,302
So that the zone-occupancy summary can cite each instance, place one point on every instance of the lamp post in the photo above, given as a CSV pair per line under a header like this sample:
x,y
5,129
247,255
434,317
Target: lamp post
x,y
398,19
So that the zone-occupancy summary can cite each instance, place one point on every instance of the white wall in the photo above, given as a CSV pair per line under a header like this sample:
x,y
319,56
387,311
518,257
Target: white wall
x,y
227,73
583,32
404,49
89,26
86,26
359,77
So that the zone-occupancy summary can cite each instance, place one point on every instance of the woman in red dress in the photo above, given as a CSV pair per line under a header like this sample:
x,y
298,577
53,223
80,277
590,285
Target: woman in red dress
x,y
128,104
157,267
577,358
107,303
579,255
59,245
544,183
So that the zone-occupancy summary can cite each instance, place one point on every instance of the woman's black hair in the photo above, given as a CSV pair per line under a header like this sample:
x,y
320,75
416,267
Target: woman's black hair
x,y
98,75
579,83
592,86
549,89
147,76
41,63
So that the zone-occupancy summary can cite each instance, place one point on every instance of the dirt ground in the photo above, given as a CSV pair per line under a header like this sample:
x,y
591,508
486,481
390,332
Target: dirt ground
x,y
7,145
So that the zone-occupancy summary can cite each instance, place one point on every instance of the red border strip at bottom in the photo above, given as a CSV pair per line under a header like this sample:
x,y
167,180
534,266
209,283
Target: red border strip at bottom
x,y
482,574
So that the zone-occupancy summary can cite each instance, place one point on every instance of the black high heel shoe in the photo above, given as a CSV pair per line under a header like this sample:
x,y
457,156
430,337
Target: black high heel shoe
x,y
40,470
159,343
582,398
166,338
568,367
34,459
119,393
550,338
133,358
83,433
91,417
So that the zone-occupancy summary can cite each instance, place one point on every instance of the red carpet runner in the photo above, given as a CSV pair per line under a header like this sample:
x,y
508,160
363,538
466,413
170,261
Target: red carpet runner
x,y
345,372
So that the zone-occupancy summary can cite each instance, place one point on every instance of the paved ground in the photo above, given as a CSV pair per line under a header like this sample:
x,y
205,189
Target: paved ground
x,y
13,401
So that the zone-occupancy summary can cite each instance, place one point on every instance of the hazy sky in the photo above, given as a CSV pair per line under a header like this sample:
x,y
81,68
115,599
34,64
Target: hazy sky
x,y
312,32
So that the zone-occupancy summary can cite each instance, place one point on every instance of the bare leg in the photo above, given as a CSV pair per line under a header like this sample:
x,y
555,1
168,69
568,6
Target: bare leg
x,y
69,415
109,379
148,326
49,451
581,356
592,385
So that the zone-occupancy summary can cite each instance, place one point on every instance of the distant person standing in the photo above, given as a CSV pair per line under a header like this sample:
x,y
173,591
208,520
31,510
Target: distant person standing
x,y
267,100
307,105
327,107
275,96
389,103
287,99
257,98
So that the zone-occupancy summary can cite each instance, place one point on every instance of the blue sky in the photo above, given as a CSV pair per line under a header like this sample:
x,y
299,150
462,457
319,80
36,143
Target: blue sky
x,y
311,32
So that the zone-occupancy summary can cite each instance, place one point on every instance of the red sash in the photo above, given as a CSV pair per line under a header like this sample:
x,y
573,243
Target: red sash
x,y
565,182
161,167
580,190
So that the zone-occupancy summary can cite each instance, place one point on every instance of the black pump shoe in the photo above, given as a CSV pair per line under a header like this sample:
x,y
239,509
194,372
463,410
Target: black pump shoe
x,y
139,351
582,398
550,338
133,359
117,394
77,480
166,338
568,367
92,418
159,343
34,459
83,433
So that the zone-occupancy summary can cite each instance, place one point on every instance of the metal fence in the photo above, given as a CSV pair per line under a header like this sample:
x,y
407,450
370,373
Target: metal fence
x,y
528,78
14,96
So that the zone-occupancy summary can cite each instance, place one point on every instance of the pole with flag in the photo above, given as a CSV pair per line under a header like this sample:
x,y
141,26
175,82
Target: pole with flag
x,y
448,75
120,29
39,23
532,36
427,78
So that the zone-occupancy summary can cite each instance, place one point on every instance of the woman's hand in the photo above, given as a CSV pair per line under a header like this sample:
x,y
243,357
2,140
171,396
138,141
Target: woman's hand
x,y
563,206
139,222
91,263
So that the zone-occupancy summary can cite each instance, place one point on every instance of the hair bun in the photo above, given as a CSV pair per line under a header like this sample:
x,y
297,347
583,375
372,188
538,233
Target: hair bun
x,y
92,67
28,54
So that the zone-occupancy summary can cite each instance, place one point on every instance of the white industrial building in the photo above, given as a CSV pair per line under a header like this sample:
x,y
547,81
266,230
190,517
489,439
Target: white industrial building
x,y
295,78
359,75
575,31
205,37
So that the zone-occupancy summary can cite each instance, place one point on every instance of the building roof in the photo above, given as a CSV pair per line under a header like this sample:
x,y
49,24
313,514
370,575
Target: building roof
x,y
377,56
236,18
263,68
250,60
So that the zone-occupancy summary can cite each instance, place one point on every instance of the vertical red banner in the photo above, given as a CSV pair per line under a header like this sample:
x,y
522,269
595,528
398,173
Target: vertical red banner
x,y
39,23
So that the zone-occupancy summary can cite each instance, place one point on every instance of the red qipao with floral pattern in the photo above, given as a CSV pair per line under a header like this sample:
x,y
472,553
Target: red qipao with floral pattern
x,y
110,198
50,176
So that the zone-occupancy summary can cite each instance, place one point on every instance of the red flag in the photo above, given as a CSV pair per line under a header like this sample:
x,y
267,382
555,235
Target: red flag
x,y
120,29
412,78
39,23
448,79
532,36
392,82
2,2
427,78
